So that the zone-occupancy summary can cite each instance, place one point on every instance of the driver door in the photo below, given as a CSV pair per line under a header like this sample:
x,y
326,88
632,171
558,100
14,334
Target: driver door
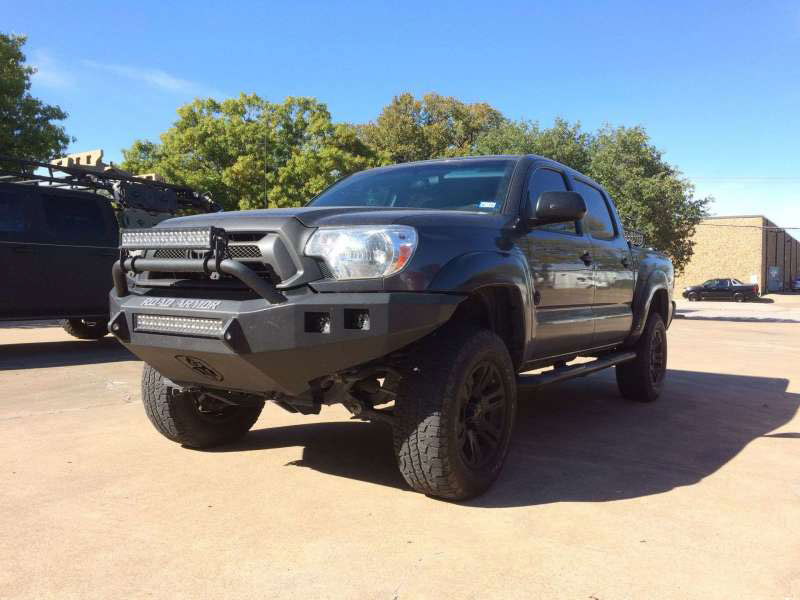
x,y
563,279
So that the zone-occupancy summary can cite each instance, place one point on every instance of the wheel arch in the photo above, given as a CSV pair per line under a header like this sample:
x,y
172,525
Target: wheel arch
x,y
652,296
499,292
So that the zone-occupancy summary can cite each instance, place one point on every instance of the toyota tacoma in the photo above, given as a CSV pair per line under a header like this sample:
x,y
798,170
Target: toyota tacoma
x,y
418,294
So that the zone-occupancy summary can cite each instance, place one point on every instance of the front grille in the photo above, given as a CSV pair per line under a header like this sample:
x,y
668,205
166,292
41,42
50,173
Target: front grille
x,y
243,251
242,246
171,253
245,237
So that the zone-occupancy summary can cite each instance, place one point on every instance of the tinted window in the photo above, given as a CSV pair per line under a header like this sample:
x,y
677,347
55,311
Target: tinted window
x,y
598,219
724,283
476,185
13,216
74,220
547,180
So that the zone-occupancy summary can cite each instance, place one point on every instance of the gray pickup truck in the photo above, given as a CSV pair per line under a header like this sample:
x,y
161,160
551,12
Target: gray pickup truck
x,y
418,294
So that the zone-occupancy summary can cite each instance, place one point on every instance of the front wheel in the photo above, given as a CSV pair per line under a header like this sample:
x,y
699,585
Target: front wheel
x,y
642,378
192,419
85,329
454,413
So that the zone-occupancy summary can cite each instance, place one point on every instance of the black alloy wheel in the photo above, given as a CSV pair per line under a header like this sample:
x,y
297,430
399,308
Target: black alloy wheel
x,y
482,416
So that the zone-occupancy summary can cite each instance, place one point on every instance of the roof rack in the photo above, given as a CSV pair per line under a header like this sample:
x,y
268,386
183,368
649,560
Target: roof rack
x,y
143,193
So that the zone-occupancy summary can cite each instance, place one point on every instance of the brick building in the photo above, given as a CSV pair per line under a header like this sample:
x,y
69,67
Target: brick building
x,y
749,248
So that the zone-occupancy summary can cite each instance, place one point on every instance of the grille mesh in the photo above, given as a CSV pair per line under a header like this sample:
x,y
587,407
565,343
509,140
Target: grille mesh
x,y
171,253
325,270
243,251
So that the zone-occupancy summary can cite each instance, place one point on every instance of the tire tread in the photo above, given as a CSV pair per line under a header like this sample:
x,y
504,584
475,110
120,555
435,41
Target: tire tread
x,y
425,397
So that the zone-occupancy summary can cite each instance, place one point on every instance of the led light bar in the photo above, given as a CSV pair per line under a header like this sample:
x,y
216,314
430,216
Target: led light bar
x,y
182,325
196,238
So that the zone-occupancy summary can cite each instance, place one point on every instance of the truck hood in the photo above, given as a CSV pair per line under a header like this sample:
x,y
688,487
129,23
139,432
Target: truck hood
x,y
312,216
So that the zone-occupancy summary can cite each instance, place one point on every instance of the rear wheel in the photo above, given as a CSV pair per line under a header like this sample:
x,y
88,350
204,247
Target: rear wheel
x,y
692,297
193,419
642,378
738,297
85,329
455,411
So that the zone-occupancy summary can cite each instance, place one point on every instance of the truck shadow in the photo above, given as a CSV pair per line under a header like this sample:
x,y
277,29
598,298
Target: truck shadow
x,y
37,355
579,441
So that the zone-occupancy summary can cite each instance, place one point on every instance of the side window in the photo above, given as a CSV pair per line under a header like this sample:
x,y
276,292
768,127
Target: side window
x,y
74,220
14,217
547,180
598,218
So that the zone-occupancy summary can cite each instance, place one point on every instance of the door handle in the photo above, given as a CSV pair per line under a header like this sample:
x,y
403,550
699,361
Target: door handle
x,y
24,250
586,258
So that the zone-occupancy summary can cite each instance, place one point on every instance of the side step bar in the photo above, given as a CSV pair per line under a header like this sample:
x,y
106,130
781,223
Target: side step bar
x,y
531,382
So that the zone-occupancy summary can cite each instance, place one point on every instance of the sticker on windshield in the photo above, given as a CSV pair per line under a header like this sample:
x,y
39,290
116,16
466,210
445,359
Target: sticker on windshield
x,y
487,204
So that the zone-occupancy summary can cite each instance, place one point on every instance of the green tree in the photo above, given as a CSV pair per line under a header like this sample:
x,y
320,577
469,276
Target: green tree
x,y
434,126
27,129
650,194
563,142
250,153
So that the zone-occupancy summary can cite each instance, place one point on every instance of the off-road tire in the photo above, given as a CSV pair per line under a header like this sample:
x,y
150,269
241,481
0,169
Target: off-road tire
x,y
175,415
642,378
738,297
85,329
430,434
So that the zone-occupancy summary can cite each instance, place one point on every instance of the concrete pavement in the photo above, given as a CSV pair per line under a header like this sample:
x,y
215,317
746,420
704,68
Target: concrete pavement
x,y
696,496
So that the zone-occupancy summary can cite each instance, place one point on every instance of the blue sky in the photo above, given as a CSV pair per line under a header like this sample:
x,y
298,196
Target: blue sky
x,y
716,84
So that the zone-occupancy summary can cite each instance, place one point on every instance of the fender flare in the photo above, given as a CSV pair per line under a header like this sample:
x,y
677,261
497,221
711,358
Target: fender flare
x,y
470,272
643,300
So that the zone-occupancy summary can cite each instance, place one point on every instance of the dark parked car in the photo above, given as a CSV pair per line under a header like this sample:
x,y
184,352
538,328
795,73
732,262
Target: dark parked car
x,y
722,289
412,294
796,284
59,237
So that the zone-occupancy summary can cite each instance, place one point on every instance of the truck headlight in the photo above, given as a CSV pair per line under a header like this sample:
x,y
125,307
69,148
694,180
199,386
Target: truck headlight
x,y
363,252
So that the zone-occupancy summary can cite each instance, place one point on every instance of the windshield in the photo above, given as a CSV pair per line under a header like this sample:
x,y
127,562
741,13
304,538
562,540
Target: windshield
x,y
461,185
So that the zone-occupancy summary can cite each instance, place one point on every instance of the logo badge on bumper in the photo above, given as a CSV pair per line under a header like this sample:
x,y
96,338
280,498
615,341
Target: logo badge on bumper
x,y
200,366
182,303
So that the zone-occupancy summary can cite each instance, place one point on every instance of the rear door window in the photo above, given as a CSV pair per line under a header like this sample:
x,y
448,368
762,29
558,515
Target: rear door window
x,y
598,216
548,180
75,220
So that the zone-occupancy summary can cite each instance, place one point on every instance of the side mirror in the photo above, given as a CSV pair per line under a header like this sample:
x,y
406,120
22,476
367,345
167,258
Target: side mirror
x,y
556,207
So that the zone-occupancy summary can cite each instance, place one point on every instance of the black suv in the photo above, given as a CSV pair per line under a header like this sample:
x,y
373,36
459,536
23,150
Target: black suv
x,y
59,237
56,249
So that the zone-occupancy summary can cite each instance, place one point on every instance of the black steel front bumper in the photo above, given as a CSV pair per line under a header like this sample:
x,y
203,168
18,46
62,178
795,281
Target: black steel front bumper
x,y
265,347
